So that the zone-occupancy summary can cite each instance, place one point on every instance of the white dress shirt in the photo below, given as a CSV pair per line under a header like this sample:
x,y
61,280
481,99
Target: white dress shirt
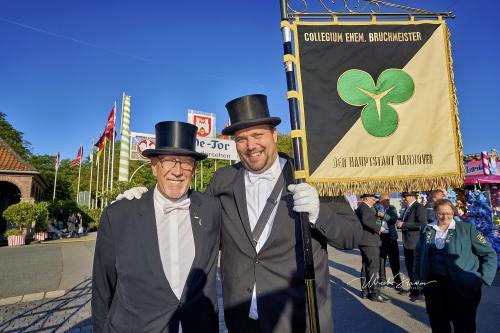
x,y
258,187
175,239
440,237
407,210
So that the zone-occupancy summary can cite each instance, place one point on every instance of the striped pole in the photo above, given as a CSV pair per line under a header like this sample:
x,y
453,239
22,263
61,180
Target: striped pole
x,y
125,143
486,163
113,152
293,105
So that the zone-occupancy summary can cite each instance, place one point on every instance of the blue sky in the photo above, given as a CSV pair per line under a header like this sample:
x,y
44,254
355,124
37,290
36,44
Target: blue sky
x,y
63,63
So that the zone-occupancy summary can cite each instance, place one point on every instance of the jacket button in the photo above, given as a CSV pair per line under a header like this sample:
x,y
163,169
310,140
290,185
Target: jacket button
x,y
249,290
257,260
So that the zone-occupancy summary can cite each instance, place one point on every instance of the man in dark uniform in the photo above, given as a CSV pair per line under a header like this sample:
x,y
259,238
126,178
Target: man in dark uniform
x,y
389,238
414,216
369,247
156,258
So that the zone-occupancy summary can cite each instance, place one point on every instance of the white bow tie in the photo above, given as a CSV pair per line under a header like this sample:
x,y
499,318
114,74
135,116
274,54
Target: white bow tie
x,y
253,177
182,204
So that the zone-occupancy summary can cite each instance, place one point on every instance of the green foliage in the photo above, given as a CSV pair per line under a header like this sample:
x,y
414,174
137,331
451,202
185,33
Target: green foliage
x,y
285,144
24,214
12,232
14,138
65,176
62,209
91,217
42,214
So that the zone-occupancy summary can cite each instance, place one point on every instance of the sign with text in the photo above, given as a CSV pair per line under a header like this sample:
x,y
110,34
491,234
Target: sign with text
x,y
219,149
378,104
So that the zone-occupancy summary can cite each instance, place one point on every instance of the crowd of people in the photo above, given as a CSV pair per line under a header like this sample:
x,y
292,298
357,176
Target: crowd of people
x,y
446,259
73,227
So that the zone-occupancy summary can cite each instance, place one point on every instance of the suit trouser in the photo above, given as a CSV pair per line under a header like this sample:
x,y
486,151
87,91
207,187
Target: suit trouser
x,y
369,269
409,259
444,304
389,248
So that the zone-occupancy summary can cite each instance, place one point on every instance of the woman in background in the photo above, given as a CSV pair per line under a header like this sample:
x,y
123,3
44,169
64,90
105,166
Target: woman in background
x,y
452,261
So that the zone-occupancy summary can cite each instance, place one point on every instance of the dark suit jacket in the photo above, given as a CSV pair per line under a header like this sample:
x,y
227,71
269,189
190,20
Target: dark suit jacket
x,y
278,269
130,292
371,229
470,260
414,219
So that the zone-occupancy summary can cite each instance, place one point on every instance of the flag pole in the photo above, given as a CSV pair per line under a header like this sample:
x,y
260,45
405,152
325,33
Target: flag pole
x,y
113,149
201,176
108,172
293,105
103,189
97,182
55,178
79,174
91,169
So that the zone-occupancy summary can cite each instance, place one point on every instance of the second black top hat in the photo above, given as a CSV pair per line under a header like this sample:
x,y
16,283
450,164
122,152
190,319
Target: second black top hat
x,y
248,111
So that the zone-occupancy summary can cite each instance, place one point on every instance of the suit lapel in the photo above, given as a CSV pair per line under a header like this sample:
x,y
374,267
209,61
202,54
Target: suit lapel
x,y
149,239
241,202
196,227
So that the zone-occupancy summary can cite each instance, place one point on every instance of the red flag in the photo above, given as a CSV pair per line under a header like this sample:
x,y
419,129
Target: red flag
x,y
56,161
110,125
78,158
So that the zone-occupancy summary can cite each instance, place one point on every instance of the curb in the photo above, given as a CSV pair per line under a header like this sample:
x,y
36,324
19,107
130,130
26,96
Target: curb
x,y
68,241
32,297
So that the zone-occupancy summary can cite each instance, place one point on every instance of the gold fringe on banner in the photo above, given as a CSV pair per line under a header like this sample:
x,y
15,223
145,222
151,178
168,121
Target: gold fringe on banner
x,y
389,185
454,106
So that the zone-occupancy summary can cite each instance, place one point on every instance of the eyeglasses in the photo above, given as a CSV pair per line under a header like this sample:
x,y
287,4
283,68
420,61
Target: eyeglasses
x,y
444,214
169,164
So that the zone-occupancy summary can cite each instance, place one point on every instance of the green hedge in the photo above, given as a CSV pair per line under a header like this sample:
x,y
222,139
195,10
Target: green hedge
x,y
24,214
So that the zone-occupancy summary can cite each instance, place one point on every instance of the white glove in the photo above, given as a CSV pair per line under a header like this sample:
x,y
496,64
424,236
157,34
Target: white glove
x,y
133,193
305,200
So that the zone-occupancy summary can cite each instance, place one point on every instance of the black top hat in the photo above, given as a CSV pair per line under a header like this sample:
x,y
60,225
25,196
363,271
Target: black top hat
x,y
248,111
175,138
410,193
366,195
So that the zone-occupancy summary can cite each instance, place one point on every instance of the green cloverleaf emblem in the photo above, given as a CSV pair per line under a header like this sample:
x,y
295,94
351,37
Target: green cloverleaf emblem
x,y
394,86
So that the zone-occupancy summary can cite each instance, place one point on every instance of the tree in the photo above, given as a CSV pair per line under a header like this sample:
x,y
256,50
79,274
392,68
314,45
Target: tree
x,y
65,175
14,138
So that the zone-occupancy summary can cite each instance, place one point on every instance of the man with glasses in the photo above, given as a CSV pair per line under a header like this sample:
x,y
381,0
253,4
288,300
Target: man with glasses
x,y
156,257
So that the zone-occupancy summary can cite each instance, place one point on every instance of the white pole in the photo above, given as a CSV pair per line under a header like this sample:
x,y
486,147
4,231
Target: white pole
x,y
108,173
113,148
55,181
215,165
91,169
103,189
79,174
195,180
97,182
201,176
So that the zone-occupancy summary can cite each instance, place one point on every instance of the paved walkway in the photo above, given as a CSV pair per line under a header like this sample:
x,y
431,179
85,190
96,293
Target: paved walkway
x,y
71,312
